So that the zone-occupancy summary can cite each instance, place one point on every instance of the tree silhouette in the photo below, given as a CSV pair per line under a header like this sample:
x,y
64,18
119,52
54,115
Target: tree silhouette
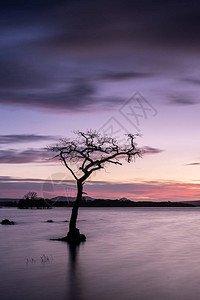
x,y
89,152
30,196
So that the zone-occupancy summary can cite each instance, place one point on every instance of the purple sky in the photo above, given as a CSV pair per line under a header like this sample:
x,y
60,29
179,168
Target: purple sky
x,y
117,66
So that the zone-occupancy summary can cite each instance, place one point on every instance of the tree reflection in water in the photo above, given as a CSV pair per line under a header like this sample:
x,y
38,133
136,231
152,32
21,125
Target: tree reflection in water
x,y
75,290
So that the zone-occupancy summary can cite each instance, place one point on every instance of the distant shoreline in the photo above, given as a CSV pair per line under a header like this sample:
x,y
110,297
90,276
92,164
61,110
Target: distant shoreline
x,y
62,202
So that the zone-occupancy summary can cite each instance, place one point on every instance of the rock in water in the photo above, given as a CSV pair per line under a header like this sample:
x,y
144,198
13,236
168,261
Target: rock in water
x,y
7,222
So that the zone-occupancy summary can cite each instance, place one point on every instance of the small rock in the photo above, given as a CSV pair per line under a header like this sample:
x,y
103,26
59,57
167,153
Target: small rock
x,y
7,222
49,221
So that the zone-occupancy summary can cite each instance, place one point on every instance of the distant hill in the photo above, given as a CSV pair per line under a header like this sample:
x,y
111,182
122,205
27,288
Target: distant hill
x,y
196,203
128,203
62,201
63,198
8,200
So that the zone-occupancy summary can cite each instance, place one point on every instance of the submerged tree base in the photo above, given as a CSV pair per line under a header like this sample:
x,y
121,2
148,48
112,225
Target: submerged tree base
x,y
73,237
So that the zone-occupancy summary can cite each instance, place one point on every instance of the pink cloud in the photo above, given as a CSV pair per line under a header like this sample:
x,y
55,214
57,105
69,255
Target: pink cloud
x,y
137,191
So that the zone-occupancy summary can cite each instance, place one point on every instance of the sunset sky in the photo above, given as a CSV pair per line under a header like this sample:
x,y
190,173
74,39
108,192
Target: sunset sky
x,y
112,66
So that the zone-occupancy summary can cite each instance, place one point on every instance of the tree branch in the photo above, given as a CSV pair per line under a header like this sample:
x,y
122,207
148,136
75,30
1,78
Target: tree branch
x,y
66,165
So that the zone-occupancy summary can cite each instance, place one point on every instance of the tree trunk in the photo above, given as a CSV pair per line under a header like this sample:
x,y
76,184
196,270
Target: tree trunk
x,y
74,236
74,215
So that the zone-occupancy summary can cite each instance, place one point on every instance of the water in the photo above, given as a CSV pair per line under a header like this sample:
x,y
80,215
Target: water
x,y
130,253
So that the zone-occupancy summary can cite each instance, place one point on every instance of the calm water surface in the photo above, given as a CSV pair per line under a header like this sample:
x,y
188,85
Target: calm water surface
x,y
130,253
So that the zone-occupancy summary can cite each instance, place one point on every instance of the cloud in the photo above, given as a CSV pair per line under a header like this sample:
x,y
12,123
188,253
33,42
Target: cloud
x,y
192,80
24,138
146,190
12,156
117,76
76,26
151,150
137,191
193,164
39,59
11,179
80,25
183,101
18,74
80,95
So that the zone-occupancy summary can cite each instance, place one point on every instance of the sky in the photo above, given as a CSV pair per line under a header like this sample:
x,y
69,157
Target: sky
x,y
116,67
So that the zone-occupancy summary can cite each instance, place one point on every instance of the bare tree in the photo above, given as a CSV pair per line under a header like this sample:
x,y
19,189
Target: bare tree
x,y
90,152
30,196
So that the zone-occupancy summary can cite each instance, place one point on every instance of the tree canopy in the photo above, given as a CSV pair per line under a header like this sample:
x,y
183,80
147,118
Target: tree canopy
x,y
91,151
